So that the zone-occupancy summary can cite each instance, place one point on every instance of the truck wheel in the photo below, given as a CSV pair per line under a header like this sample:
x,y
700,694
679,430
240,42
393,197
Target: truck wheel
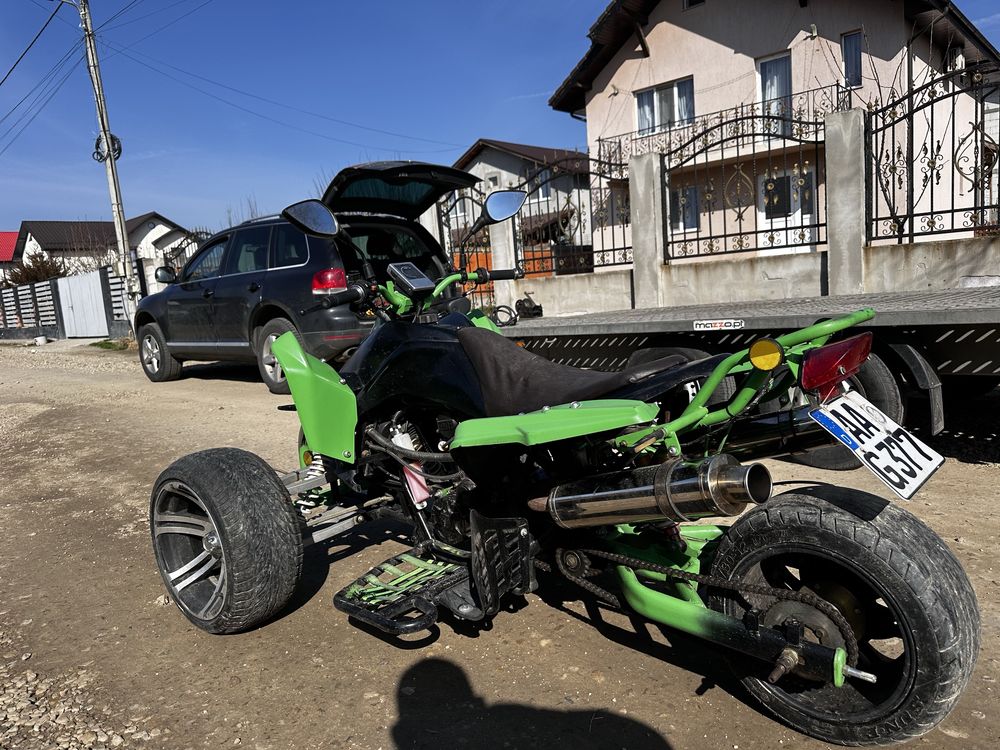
x,y
227,539
910,605
722,394
270,371
154,356
875,382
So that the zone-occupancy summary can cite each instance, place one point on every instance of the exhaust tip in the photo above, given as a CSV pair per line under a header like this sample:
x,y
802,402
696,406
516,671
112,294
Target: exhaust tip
x,y
758,483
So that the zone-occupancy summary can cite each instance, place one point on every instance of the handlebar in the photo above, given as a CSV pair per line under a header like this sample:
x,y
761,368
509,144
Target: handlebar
x,y
353,293
359,292
504,274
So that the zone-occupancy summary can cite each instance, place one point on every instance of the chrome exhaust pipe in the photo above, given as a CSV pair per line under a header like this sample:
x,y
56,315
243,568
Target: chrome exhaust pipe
x,y
676,490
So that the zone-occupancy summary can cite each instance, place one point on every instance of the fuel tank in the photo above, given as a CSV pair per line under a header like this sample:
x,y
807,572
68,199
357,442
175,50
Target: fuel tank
x,y
405,365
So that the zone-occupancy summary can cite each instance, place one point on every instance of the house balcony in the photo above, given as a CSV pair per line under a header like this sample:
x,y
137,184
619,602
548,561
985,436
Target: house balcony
x,y
770,125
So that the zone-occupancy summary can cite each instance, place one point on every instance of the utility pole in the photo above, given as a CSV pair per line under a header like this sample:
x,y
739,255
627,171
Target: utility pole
x,y
111,146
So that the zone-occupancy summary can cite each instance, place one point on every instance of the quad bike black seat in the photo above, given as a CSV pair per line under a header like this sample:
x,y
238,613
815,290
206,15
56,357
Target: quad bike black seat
x,y
514,380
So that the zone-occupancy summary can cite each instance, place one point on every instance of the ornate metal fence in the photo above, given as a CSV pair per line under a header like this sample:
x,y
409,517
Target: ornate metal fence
x,y
576,218
931,159
455,217
744,179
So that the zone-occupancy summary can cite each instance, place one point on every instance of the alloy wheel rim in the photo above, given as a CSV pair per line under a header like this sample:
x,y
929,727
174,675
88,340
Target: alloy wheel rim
x,y
189,551
271,364
151,353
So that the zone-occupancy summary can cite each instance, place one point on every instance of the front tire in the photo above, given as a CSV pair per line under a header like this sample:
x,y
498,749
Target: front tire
x,y
227,539
910,603
154,356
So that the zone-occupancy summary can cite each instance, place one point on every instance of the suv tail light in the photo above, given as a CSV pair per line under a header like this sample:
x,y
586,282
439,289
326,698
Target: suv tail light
x,y
329,280
823,369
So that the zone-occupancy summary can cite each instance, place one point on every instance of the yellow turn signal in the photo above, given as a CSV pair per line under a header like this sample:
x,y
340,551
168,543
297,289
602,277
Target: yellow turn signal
x,y
766,354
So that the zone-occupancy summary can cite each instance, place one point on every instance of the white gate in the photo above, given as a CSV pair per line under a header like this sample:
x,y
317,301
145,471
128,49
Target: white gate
x,y
82,303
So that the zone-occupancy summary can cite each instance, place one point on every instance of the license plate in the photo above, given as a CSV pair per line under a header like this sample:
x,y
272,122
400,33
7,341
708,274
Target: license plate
x,y
889,451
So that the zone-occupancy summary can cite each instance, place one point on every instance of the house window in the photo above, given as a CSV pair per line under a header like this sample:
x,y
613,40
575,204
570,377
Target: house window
x,y
850,45
776,93
787,198
542,189
684,209
666,106
460,207
955,59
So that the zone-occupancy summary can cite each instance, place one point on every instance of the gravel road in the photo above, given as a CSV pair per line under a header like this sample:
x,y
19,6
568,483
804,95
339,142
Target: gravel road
x,y
91,655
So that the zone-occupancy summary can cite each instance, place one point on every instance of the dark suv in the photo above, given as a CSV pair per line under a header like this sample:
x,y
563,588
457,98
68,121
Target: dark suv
x,y
248,285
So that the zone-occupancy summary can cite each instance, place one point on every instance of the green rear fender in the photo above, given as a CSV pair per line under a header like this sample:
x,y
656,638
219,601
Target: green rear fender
x,y
555,423
327,408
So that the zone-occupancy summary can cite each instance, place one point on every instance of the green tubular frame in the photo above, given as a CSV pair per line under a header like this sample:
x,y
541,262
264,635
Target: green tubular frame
x,y
795,344
683,610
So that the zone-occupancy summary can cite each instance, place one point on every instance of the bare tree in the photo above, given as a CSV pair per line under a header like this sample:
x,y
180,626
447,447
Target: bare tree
x,y
245,211
31,269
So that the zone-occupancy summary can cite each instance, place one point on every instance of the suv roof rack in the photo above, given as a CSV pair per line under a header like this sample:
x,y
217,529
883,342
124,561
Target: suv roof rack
x,y
258,219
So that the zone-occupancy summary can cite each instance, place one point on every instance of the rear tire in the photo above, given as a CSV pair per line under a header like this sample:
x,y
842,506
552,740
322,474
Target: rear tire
x,y
227,539
270,371
875,382
906,593
154,356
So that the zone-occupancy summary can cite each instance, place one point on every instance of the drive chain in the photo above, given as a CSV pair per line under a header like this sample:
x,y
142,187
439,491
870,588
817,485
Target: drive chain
x,y
850,641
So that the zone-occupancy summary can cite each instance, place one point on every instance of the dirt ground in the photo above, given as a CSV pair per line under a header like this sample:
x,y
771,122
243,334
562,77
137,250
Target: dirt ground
x,y
91,657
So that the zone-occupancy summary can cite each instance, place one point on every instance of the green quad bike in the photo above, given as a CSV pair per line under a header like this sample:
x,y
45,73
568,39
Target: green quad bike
x,y
846,617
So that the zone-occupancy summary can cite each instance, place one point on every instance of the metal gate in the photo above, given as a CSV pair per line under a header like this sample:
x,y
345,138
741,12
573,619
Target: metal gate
x,y
575,219
932,154
455,216
83,308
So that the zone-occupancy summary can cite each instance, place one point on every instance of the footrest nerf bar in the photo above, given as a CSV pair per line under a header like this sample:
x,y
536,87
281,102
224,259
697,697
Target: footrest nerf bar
x,y
400,596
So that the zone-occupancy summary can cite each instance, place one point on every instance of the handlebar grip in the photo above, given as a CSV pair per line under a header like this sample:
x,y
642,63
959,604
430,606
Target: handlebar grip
x,y
354,293
503,274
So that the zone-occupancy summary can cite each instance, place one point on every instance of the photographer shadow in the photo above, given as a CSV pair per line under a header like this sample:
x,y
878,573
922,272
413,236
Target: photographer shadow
x,y
438,708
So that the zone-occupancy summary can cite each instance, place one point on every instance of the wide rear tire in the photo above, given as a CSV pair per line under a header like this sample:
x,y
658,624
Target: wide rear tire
x,y
227,539
913,611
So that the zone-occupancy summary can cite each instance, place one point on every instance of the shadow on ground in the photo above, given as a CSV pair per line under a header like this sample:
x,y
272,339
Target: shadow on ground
x,y
438,708
222,371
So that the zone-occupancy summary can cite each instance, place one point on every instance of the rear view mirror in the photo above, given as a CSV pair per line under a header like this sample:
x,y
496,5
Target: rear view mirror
x,y
313,217
500,205
165,275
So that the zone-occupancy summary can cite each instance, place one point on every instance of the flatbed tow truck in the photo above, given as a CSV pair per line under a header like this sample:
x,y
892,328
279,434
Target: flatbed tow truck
x,y
923,339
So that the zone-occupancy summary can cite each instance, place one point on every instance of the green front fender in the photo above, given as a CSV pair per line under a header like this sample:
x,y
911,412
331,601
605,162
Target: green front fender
x,y
327,408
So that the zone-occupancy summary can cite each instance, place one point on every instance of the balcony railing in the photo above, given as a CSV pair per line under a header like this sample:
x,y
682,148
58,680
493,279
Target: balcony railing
x,y
796,117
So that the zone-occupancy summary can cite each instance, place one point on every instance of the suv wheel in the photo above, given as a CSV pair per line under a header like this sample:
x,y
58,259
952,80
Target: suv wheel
x,y
157,361
270,370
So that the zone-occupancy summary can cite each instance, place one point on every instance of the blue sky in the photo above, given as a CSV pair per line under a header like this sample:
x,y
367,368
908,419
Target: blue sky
x,y
442,72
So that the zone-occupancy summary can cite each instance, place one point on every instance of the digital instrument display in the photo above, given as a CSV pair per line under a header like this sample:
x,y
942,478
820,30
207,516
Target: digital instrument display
x,y
410,279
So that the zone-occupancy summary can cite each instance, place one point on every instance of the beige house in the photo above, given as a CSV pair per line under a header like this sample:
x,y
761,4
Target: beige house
x,y
734,95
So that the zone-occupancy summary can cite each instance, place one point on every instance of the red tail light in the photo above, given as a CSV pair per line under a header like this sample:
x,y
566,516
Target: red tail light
x,y
329,280
823,369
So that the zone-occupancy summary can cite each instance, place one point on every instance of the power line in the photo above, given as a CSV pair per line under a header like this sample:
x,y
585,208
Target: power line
x,y
53,91
255,113
31,43
44,79
142,17
292,107
121,10
170,23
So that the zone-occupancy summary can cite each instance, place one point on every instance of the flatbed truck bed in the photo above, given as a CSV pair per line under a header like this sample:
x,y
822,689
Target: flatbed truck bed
x,y
956,330
923,338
